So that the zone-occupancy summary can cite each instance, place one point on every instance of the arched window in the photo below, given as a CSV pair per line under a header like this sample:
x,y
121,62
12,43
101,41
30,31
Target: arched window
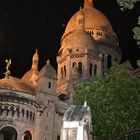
x,y
49,85
95,69
58,137
103,60
65,71
12,109
27,135
8,133
80,67
91,69
80,21
61,73
109,61
74,64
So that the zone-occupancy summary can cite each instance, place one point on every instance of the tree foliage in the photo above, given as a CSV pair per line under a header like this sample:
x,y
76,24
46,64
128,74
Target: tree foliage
x,y
129,4
114,102
126,4
136,31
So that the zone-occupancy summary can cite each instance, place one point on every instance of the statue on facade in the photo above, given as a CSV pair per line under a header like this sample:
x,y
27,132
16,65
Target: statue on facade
x,y
7,73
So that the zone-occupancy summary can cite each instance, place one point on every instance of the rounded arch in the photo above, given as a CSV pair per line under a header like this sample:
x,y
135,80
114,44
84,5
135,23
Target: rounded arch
x,y
8,133
62,73
109,61
95,69
74,64
80,65
90,69
27,129
65,71
27,135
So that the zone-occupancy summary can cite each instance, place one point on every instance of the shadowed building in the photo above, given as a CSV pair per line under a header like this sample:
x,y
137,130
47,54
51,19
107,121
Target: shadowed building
x,y
29,107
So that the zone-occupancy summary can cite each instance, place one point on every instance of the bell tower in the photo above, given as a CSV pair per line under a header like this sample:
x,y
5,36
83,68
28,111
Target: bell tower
x,y
78,59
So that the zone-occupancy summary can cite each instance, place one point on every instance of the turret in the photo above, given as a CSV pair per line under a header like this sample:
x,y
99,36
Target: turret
x,y
34,68
32,75
35,60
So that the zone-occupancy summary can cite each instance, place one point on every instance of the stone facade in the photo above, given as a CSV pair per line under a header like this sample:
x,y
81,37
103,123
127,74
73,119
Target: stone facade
x,y
32,107
89,45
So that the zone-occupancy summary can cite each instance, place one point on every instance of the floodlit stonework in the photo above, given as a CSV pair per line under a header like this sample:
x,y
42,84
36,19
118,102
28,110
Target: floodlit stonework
x,y
32,108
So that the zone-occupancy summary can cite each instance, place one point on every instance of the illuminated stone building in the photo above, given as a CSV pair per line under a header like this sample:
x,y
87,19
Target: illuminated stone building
x,y
29,107
88,47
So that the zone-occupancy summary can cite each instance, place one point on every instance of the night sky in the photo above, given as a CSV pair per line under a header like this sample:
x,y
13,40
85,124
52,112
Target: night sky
x,y
27,24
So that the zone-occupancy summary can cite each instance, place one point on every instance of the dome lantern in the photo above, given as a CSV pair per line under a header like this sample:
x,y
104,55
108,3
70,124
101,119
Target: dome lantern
x,y
93,19
88,3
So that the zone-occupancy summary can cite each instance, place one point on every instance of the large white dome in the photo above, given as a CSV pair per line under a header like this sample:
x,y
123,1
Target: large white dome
x,y
94,19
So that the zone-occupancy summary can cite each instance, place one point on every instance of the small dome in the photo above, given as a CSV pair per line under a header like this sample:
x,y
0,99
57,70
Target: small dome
x,y
47,71
81,41
17,84
94,19
34,69
27,76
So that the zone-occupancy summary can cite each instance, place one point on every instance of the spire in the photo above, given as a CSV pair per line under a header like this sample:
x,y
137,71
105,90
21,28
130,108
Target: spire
x,y
35,56
88,3
35,60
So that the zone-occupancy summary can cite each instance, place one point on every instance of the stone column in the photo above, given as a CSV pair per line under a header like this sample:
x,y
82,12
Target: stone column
x,y
64,134
80,133
100,65
25,116
68,66
29,117
20,114
4,113
1,136
86,67
10,114
16,114
85,135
